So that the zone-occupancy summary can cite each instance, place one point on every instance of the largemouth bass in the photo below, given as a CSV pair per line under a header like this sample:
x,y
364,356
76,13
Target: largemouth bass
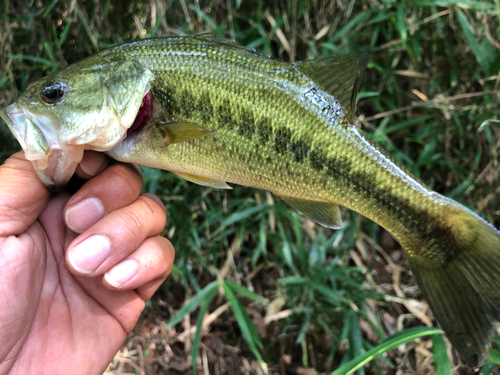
x,y
215,113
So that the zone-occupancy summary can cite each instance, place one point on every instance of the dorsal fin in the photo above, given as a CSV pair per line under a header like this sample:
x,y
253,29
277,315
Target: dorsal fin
x,y
338,76
209,38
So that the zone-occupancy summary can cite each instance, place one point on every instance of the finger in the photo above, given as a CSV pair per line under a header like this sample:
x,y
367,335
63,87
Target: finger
x,y
22,195
150,263
146,291
92,164
116,186
115,237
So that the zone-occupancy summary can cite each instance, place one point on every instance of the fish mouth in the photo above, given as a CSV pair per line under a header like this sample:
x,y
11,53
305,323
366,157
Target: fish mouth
x,y
53,166
54,161
56,171
11,116
144,114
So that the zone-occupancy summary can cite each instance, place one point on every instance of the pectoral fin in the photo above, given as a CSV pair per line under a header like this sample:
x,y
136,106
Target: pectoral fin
x,y
176,132
204,181
323,213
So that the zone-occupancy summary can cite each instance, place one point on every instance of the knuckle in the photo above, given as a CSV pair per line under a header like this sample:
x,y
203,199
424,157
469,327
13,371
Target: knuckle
x,y
154,212
166,253
12,220
157,256
133,223
141,217
167,246
122,182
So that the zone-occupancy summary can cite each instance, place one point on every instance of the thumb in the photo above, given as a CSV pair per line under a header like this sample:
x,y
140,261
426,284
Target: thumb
x,y
22,195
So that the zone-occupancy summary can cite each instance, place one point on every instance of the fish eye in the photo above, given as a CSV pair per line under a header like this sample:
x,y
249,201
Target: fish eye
x,y
52,92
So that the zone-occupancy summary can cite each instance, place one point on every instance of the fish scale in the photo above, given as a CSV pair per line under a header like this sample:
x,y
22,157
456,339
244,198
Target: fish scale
x,y
222,113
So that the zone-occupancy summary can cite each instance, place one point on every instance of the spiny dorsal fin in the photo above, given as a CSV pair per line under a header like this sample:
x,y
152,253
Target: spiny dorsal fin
x,y
204,181
338,76
176,132
323,213
209,38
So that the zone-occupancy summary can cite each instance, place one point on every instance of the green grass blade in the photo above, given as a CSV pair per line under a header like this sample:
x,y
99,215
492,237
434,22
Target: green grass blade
x,y
238,216
494,356
474,45
355,22
243,323
48,51
194,303
356,341
240,289
64,34
90,33
154,30
303,329
441,360
31,58
488,368
495,340
199,323
49,8
391,342
292,280
401,23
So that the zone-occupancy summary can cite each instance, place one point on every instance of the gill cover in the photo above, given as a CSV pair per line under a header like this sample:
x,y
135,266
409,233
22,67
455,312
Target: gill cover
x,y
97,104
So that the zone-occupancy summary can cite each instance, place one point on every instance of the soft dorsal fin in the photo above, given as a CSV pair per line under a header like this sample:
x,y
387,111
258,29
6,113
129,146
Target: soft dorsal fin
x,y
323,213
338,76
204,181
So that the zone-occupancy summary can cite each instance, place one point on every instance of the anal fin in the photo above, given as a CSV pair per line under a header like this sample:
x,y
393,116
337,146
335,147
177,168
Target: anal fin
x,y
204,181
323,213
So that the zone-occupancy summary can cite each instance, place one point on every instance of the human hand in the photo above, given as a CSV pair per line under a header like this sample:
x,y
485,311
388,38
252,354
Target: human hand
x,y
68,305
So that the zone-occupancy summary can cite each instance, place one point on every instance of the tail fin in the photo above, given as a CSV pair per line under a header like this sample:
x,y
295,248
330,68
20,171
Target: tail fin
x,y
463,290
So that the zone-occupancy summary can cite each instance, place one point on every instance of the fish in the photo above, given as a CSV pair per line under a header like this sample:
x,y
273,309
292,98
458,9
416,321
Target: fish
x,y
215,113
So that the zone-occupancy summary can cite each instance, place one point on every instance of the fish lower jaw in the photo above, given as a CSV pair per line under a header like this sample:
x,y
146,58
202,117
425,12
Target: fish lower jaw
x,y
56,170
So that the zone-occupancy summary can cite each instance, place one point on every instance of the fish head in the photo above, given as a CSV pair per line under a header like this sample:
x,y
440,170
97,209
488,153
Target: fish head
x,y
87,106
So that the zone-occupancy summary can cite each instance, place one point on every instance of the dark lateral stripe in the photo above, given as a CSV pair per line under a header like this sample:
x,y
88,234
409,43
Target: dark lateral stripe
x,y
338,168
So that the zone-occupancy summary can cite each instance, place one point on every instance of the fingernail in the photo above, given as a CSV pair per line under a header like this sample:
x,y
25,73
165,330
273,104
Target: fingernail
x,y
122,273
84,214
88,255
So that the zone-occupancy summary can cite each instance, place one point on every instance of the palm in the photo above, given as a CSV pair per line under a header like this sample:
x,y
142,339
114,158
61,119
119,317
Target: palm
x,y
55,318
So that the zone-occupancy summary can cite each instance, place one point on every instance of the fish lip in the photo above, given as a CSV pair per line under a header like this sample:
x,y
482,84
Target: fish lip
x,y
54,168
49,183
57,169
10,115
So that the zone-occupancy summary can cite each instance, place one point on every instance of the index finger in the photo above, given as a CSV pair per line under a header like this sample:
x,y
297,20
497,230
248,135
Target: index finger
x,y
23,196
116,186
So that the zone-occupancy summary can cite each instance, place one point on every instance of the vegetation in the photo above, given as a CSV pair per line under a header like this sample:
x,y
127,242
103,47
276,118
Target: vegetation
x,y
256,287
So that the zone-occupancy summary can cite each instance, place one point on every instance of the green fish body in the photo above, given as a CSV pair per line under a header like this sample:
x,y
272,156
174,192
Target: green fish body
x,y
215,113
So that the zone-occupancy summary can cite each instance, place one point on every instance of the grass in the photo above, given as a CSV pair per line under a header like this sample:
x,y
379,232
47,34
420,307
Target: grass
x,y
256,287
